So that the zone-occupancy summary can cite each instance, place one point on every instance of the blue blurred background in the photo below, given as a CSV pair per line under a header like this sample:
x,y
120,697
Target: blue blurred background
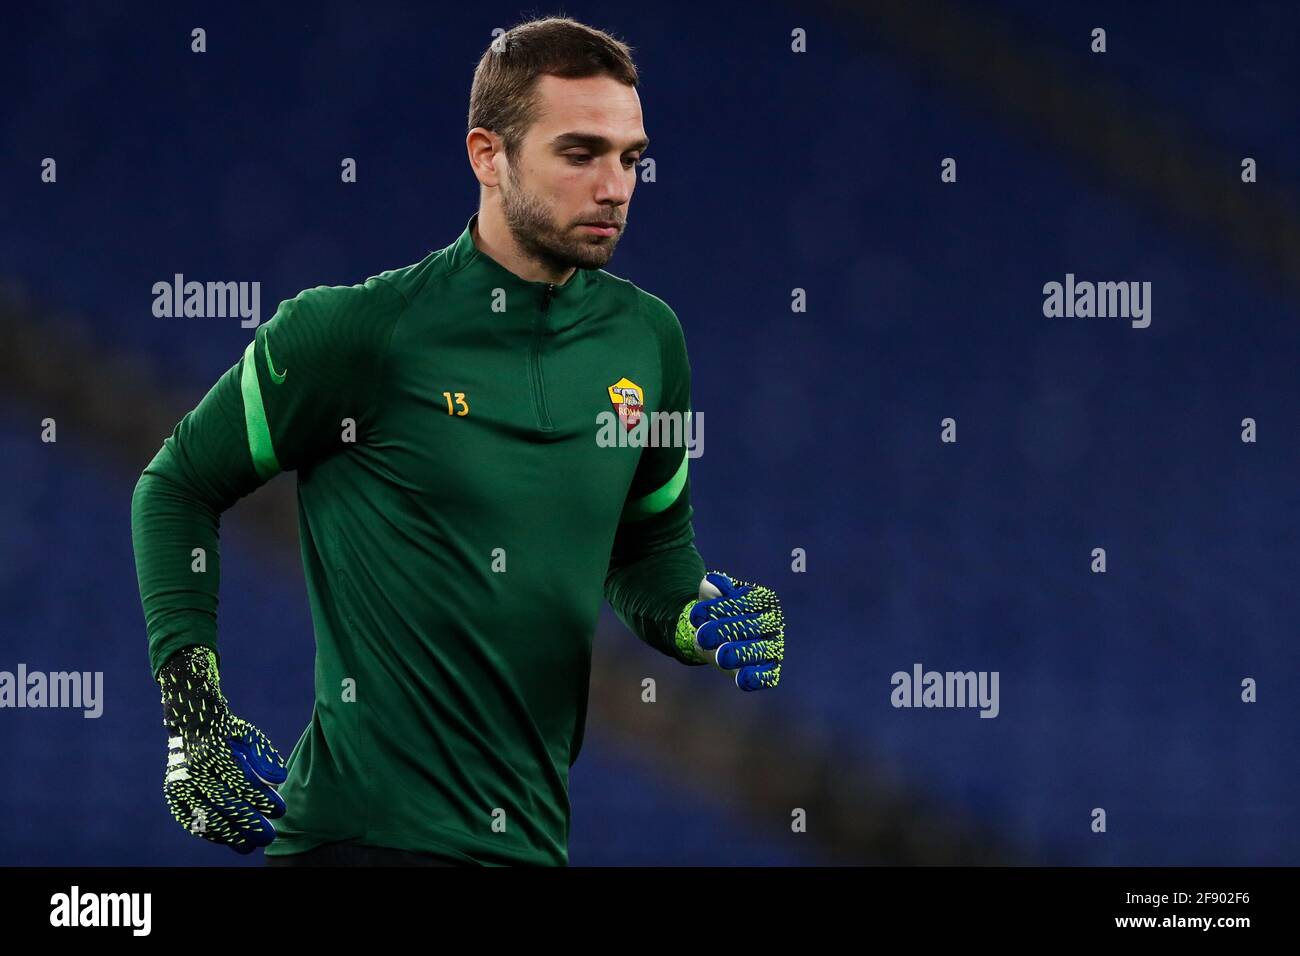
x,y
775,170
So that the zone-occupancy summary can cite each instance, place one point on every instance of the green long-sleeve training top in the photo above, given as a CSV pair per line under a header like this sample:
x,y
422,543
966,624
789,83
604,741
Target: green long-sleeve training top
x,y
462,513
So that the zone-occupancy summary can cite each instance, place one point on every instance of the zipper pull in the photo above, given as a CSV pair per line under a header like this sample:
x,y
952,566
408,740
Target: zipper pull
x,y
546,296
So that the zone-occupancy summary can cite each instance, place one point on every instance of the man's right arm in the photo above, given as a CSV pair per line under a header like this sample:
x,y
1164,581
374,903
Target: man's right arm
x,y
316,362
200,471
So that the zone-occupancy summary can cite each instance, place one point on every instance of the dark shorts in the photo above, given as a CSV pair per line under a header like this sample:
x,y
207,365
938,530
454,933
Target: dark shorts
x,y
352,854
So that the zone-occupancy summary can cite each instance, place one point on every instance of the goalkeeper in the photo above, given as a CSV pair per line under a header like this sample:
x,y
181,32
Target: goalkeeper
x,y
460,522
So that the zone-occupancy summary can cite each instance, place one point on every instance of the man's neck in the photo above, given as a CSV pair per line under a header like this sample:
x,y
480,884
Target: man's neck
x,y
493,239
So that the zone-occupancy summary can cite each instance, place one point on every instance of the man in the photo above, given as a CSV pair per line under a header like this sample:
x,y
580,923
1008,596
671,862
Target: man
x,y
461,518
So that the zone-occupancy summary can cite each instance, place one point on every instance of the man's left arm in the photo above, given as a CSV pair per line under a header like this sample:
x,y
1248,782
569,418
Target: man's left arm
x,y
655,569
656,581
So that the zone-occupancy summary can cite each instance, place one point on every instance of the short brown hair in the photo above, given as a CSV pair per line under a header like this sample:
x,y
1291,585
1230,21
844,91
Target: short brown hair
x,y
503,98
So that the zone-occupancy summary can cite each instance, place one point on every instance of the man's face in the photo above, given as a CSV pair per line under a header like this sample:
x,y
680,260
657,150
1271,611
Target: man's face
x,y
576,166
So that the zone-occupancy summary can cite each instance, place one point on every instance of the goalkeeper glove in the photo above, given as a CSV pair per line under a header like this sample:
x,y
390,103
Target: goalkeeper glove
x,y
738,626
221,770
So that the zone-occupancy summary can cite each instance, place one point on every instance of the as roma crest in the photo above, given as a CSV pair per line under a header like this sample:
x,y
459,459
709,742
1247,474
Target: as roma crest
x,y
628,399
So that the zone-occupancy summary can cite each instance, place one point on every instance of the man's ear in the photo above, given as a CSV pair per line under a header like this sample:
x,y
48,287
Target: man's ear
x,y
483,147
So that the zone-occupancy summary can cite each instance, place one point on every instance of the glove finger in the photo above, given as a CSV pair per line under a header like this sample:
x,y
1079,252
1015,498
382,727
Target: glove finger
x,y
262,766
718,584
744,599
743,653
208,809
224,774
236,823
183,801
261,769
713,634
716,609
253,790
262,756
758,677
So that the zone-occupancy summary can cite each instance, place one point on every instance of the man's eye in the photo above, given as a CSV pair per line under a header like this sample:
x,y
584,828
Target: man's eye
x,y
581,159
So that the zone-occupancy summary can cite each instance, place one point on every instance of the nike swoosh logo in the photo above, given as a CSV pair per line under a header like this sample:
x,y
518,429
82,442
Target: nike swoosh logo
x,y
276,377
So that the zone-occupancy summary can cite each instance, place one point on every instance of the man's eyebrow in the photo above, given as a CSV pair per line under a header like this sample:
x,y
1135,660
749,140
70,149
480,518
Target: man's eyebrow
x,y
593,141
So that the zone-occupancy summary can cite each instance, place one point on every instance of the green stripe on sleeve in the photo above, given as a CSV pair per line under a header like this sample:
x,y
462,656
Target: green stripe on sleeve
x,y
657,501
259,433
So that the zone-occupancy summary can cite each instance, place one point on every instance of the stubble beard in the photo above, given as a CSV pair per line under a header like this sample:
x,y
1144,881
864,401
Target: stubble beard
x,y
532,224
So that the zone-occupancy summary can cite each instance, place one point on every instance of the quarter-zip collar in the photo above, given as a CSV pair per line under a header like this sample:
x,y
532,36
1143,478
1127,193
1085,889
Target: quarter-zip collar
x,y
464,254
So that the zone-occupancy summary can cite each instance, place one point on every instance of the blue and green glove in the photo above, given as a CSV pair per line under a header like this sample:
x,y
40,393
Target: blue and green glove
x,y
737,626
221,770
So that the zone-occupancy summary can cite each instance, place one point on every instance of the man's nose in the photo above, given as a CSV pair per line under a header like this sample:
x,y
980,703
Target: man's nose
x,y
615,186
